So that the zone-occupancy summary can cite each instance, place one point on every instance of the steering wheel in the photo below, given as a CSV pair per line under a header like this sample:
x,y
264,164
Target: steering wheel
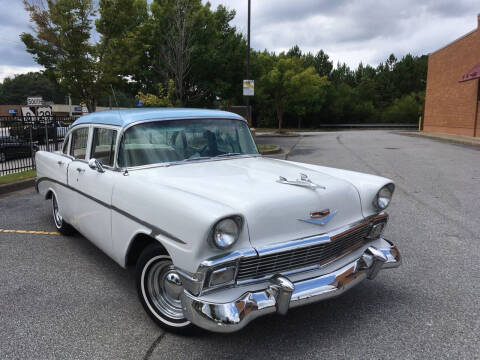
x,y
204,151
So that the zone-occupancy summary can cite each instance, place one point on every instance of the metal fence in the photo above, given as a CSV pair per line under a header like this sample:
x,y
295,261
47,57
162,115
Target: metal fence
x,y
21,137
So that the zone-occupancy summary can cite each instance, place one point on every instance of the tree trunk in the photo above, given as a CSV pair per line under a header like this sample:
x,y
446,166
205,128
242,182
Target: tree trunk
x,y
279,116
299,122
91,105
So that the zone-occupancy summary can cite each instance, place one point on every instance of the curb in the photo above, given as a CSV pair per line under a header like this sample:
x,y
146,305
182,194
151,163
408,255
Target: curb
x,y
444,137
19,185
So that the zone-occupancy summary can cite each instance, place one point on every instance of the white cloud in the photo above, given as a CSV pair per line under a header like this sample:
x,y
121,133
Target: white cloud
x,y
350,31
355,31
11,70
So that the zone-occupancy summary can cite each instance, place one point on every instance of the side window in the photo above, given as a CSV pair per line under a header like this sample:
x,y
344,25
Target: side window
x,y
78,147
103,145
66,141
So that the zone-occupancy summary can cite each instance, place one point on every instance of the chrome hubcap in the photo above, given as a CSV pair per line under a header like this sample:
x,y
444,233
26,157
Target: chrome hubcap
x,y
56,213
164,288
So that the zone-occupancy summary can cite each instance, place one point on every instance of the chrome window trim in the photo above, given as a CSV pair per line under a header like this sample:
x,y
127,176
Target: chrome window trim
x,y
110,127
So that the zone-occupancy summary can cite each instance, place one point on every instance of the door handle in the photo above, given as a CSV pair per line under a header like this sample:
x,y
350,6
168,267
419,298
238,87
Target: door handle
x,y
60,163
80,170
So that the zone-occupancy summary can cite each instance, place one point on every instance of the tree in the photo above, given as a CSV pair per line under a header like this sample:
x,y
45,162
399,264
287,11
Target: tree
x,y
16,90
166,98
63,44
290,85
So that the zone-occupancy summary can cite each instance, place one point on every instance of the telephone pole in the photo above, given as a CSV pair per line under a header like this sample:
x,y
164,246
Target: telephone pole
x,y
249,113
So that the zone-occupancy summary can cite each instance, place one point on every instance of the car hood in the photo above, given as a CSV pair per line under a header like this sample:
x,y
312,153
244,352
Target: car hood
x,y
273,211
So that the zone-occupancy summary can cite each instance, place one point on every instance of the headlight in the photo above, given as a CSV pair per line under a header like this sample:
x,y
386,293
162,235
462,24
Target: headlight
x,y
384,196
226,233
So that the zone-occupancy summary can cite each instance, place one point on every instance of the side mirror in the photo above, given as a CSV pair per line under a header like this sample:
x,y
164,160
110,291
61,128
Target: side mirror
x,y
95,164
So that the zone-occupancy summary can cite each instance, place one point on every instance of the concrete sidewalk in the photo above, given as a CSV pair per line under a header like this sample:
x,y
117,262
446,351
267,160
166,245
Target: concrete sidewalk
x,y
467,140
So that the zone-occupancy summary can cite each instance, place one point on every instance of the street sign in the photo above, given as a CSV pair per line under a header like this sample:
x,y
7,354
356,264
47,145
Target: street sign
x,y
248,87
34,101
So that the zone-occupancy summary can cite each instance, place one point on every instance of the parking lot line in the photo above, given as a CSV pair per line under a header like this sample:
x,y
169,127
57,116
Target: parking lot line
x,y
29,232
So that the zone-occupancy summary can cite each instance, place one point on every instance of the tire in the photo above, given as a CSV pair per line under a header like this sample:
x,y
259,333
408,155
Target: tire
x,y
62,226
159,296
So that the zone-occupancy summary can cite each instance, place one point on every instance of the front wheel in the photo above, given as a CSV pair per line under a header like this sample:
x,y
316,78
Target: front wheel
x,y
159,288
62,227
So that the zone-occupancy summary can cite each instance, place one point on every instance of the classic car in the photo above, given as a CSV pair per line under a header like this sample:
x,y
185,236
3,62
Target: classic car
x,y
219,234
13,148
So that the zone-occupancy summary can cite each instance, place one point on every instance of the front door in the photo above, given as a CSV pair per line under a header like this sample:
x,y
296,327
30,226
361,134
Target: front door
x,y
94,188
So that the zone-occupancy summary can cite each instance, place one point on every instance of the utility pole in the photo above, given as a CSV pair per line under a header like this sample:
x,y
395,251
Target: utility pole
x,y
249,113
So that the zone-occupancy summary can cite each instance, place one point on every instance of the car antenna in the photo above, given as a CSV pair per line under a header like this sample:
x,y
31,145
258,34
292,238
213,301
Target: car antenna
x,y
114,96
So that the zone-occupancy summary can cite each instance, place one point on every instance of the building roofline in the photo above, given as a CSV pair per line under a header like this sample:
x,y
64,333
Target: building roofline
x,y
454,41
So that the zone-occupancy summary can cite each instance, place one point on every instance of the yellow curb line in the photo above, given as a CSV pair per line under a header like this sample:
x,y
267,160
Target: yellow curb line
x,y
29,232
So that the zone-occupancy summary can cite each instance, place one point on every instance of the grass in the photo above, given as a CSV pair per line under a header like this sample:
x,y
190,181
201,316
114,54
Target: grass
x,y
11,178
262,147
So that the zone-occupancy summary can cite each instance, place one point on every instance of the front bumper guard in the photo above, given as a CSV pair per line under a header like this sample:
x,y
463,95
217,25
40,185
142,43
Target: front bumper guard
x,y
283,294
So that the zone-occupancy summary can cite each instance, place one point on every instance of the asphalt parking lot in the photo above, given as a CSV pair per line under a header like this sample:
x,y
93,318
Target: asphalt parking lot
x,y
62,298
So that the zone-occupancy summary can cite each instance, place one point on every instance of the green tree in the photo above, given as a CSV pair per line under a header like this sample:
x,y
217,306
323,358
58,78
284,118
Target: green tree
x,y
16,90
290,85
62,42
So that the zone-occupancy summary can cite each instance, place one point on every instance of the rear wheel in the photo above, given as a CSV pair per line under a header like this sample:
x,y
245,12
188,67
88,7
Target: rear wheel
x,y
60,224
159,288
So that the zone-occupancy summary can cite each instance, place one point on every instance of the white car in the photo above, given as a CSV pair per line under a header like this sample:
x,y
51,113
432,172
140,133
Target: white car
x,y
219,234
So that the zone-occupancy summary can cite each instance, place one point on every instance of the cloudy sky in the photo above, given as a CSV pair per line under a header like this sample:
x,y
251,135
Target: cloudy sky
x,y
350,31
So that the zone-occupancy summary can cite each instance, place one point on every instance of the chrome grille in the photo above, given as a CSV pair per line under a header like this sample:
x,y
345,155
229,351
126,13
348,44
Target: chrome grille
x,y
341,244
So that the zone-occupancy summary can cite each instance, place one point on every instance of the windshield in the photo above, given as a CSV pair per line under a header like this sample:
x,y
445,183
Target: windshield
x,y
184,140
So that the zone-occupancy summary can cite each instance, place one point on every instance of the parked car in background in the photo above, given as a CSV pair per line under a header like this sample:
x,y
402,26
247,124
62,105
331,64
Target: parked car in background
x,y
39,132
12,147
219,235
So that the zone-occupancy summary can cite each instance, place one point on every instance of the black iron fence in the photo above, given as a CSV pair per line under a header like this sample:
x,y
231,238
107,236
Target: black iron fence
x,y
21,137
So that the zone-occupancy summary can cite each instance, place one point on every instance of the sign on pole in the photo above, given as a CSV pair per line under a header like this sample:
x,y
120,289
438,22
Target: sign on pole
x,y
248,87
34,101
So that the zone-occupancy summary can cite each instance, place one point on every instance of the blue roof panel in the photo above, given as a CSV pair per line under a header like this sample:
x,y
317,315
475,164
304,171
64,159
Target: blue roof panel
x,y
125,117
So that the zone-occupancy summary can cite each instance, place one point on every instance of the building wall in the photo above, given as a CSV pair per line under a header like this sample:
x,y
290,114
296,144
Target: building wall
x,y
4,109
450,106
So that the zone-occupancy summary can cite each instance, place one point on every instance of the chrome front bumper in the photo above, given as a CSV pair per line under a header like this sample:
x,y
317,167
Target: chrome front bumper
x,y
283,294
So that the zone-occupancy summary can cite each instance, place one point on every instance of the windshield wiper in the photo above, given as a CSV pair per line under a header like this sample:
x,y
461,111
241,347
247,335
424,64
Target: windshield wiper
x,y
197,158
228,154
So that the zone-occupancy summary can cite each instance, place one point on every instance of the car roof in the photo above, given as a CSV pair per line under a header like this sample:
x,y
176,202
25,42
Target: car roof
x,y
125,117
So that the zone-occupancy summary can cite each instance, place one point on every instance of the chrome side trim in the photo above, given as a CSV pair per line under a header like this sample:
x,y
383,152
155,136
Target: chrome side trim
x,y
155,230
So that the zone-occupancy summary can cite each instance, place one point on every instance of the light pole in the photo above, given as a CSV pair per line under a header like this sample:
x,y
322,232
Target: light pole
x,y
249,113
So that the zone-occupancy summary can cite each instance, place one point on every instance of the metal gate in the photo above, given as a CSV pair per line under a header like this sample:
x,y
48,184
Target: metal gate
x,y
21,137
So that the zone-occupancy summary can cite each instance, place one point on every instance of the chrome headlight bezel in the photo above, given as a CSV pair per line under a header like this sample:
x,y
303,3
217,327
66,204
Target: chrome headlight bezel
x,y
384,197
231,228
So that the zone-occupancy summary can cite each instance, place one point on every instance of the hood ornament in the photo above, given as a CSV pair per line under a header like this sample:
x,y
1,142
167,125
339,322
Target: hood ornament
x,y
304,181
320,217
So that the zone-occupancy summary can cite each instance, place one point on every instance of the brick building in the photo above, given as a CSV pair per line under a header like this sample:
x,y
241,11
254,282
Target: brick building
x,y
451,106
